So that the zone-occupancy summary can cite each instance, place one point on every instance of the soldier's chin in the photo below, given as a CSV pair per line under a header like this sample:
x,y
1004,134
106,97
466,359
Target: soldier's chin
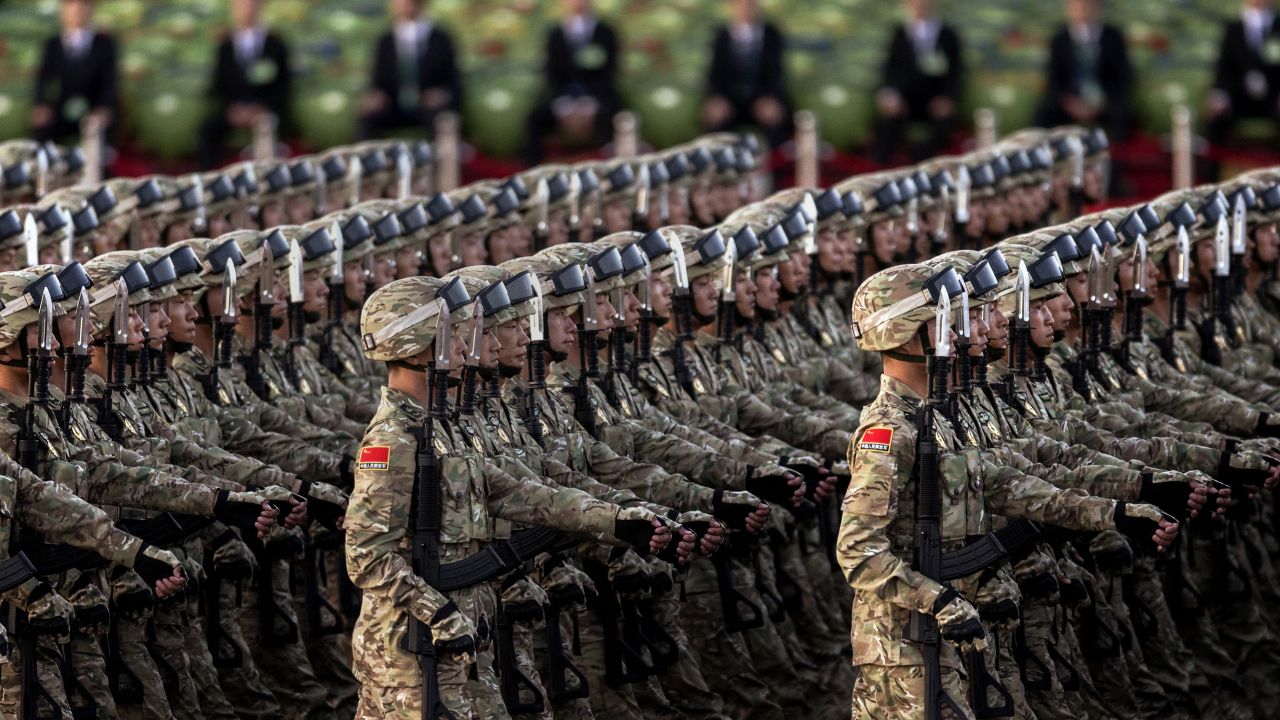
x,y
312,317
556,355
1059,335
659,320
178,347
766,314
510,371
995,353
276,322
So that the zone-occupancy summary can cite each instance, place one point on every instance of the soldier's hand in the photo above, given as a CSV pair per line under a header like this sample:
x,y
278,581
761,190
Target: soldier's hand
x,y
248,511
785,488
1145,525
641,529
710,532
523,599
1173,493
160,568
682,543
567,584
959,622
48,613
326,503
453,633
740,510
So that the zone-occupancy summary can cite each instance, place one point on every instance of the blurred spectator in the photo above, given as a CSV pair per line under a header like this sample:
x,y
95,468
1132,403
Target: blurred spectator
x,y
415,74
581,71
746,84
1089,76
251,77
1247,81
921,82
77,75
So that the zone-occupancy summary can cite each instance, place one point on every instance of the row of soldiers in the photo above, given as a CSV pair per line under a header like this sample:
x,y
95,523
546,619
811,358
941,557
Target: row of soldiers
x,y
646,357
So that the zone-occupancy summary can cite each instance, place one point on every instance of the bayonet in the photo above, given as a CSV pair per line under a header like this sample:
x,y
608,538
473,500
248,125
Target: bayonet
x,y
354,173
404,174
1023,298
1140,266
84,326
1221,249
443,332
536,319
962,194
42,173
589,320
575,205
295,273
230,310
1238,227
45,326
477,334
642,195
942,327
120,314
1076,148
202,217
31,240
68,242
322,194
338,275
1182,277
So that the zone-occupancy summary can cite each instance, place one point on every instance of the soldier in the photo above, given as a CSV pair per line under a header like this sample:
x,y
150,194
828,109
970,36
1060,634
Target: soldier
x,y
892,669
458,622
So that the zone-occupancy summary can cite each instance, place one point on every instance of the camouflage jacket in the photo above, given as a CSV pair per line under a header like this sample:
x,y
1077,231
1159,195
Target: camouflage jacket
x,y
1186,361
321,412
315,379
877,526
252,427
474,494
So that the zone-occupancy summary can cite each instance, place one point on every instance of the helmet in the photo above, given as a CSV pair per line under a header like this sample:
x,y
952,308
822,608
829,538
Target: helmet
x,y
104,270
401,318
505,310
877,324
13,285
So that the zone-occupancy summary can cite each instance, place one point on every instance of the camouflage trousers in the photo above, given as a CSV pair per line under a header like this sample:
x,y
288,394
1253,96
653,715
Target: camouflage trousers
x,y
882,692
727,663
212,701
53,701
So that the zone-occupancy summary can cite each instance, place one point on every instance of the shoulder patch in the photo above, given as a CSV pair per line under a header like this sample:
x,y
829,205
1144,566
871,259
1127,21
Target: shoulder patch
x,y
374,457
876,439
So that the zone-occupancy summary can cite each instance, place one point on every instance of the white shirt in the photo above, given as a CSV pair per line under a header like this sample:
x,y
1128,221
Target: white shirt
x,y
924,34
1085,33
745,35
248,44
579,29
1257,23
410,37
76,43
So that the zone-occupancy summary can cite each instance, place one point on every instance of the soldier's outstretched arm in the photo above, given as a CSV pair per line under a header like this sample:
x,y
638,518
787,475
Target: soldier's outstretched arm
x,y
1012,493
533,503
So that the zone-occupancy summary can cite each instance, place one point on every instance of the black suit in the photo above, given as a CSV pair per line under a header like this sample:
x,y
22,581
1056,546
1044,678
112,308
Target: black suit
x,y
1070,71
743,74
261,80
74,84
918,83
437,68
567,75
1238,60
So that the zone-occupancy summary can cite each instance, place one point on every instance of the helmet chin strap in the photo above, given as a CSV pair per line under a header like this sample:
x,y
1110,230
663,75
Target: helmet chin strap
x,y
925,343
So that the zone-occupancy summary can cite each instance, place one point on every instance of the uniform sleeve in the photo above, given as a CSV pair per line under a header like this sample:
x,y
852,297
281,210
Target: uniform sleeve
x,y
376,524
1012,493
530,502
880,462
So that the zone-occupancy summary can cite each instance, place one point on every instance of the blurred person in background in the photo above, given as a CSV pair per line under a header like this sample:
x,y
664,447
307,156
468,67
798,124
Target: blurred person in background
x,y
581,73
77,76
1247,80
415,74
746,83
1089,79
251,77
921,82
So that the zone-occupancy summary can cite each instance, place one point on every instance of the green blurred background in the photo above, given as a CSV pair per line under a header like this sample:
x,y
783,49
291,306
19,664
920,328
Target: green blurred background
x,y
833,60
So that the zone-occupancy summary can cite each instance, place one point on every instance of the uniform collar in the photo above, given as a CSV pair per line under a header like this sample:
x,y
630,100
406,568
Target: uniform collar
x,y
894,386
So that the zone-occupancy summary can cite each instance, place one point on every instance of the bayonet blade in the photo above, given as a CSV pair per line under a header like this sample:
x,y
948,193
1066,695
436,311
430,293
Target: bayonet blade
x,y
589,321
266,283
1183,278
642,190
444,332
1221,249
962,194
681,270
404,174
535,320
42,173
542,199
728,280
477,334
339,272
202,217
45,323
83,325
230,309
68,242
942,327
1140,266
963,324
1095,277
1238,227
644,291
31,240
575,201
1023,299
295,273
120,314
354,175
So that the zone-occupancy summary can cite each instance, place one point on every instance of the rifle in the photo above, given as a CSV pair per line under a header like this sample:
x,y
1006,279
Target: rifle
x,y
530,413
682,313
1211,339
297,317
425,525
923,628
640,213
1135,300
322,617
337,302
1178,295
728,297
510,676
263,302
567,681
471,368
588,359
623,664
223,330
117,361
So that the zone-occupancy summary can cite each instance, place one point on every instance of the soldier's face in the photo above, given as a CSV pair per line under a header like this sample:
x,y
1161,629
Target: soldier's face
x,y
1041,325
315,292
977,334
660,297
177,232
789,273
884,241
617,216
157,325
281,293
301,209
135,330
520,240
700,201
704,294
997,217
724,198
767,287
441,255
513,340
557,229
458,349
407,262
182,318
66,330
1204,255
1061,307
1078,287
1268,243
562,332
490,347
931,328
49,254
384,269
472,250
830,251
33,338
353,282
977,218
219,224
679,208
604,314
1092,183
744,295
499,247
997,329
631,309
273,213
8,260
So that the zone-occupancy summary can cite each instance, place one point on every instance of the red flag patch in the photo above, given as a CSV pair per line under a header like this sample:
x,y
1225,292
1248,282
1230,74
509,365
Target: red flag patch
x,y
377,457
876,439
